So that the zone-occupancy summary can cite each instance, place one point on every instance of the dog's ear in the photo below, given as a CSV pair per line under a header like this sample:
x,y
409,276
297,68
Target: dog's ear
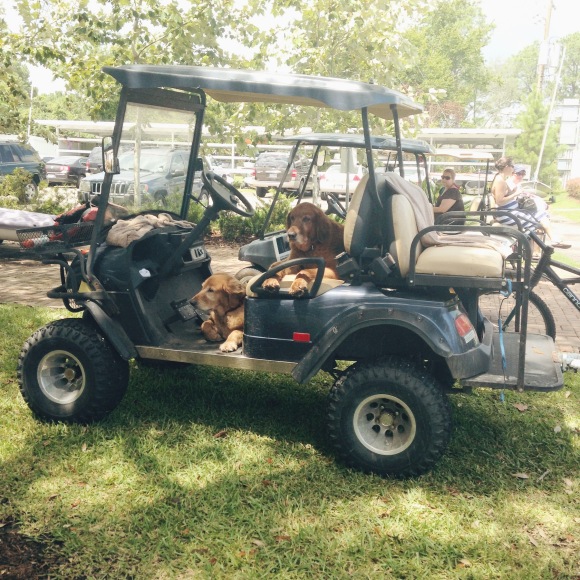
x,y
235,291
322,226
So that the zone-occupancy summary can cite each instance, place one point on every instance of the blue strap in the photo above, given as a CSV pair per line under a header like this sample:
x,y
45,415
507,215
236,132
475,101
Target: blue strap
x,y
508,289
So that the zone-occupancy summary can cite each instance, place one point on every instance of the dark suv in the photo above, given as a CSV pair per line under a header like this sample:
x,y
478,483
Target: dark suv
x,y
15,155
95,160
270,167
161,172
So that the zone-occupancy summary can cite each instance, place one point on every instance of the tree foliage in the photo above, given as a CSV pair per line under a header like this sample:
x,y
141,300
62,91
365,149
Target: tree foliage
x,y
570,81
447,42
526,149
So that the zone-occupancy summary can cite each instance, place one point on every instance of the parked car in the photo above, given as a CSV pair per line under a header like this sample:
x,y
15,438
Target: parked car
x,y
14,155
94,162
69,169
161,172
333,180
269,170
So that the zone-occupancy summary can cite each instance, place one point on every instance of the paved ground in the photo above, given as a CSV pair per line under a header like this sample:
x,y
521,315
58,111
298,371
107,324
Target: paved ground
x,y
24,280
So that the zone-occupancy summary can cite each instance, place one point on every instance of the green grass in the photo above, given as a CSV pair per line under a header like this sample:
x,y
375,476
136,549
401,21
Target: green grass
x,y
213,473
566,206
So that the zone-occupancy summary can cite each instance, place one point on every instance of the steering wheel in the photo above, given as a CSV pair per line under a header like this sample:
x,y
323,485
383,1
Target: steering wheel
x,y
225,195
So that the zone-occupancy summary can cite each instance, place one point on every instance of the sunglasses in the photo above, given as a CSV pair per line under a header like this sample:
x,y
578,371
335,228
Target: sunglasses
x,y
446,177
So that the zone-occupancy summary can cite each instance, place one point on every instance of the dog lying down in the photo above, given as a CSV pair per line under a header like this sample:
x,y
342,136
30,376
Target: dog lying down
x,y
311,233
222,296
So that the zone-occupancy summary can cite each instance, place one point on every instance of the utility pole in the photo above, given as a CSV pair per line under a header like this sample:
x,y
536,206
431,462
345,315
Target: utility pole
x,y
544,48
547,126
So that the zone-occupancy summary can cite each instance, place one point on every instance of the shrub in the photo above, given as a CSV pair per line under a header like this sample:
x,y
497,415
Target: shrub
x,y
573,187
15,183
235,228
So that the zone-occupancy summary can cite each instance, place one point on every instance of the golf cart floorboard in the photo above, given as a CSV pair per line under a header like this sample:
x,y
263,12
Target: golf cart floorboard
x,y
543,373
200,351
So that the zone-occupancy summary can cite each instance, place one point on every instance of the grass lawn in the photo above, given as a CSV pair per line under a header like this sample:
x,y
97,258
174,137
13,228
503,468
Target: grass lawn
x,y
210,473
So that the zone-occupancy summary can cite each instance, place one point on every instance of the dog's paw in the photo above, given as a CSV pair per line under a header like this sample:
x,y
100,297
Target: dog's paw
x,y
299,288
229,346
271,285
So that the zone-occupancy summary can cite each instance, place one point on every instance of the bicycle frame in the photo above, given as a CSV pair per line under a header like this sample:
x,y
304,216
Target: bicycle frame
x,y
546,267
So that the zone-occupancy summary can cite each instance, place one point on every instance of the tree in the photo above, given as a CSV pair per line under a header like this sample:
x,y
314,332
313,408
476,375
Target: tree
x,y
447,42
76,38
526,149
510,82
570,81
14,88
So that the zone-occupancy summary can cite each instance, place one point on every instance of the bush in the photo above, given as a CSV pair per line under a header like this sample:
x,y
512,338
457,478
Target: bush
x,y
573,187
15,183
235,228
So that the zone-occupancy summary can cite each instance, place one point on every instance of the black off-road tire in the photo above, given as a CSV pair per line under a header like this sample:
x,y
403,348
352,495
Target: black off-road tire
x,y
390,418
69,372
246,274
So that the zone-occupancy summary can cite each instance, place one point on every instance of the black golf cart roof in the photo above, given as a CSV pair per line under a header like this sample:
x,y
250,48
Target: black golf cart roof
x,y
415,146
231,86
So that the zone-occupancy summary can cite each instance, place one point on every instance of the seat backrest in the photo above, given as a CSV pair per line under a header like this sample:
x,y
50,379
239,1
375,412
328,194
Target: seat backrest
x,y
363,228
402,227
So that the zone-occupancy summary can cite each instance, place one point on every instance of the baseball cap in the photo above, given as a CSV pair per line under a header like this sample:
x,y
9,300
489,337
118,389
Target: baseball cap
x,y
518,168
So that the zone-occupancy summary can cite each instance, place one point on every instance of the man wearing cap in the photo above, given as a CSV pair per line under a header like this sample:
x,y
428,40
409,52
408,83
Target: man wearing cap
x,y
539,208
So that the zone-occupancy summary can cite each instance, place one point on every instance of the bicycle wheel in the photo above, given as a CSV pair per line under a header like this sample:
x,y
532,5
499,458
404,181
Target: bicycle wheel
x,y
540,318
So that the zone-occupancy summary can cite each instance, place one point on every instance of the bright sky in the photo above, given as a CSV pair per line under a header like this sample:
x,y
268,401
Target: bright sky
x,y
521,22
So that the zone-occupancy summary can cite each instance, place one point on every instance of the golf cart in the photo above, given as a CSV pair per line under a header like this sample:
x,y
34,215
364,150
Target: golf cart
x,y
393,334
475,184
273,246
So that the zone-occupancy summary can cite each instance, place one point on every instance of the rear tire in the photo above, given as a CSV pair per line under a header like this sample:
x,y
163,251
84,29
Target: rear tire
x,y
69,372
389,418
261,191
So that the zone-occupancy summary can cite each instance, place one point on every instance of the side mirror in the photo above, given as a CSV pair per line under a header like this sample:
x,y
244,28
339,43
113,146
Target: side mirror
x,y
110,161
321,158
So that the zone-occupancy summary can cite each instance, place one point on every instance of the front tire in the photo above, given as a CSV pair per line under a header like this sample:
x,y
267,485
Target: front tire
x,y
389,418
69,372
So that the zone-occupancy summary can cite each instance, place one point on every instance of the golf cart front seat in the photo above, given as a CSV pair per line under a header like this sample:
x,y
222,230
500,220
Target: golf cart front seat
x,y
371,233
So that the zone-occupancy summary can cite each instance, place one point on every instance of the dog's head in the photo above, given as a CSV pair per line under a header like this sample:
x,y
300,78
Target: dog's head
x,y
220,293
307,225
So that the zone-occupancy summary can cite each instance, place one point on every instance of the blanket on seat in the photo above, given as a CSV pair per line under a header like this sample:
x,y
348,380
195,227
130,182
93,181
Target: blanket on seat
x,y
126,231
424,218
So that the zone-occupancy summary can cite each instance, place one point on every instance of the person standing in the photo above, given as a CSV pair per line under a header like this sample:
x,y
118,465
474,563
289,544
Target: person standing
x,y
450,197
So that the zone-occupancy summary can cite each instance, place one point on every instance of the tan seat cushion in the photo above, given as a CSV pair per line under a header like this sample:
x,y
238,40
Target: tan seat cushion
x,y
460,261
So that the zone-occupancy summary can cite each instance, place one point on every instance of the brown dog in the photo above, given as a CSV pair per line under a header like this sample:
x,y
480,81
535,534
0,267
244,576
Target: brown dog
x,y
223,297
311,234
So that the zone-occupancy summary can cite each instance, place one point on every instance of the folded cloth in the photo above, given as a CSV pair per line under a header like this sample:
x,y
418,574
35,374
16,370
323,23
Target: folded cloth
x,y
126,231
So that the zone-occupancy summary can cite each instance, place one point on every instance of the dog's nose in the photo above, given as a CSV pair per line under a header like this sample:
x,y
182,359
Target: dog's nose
x,y
292,235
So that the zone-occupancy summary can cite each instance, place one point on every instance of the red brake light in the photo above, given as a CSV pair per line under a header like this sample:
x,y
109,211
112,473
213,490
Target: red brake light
x,y
294,174
464,326
356,178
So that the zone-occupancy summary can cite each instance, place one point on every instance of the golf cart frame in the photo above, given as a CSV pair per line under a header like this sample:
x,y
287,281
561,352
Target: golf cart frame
x,y
405,339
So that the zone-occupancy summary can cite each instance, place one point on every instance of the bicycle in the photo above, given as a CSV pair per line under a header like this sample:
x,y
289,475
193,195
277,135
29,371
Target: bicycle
x,y
540,318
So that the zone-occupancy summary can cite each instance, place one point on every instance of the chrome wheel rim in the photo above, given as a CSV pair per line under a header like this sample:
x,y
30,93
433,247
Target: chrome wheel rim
x,y
61,377
384,424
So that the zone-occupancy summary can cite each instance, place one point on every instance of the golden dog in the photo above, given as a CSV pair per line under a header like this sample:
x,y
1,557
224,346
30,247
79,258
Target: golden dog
x,y
222,296
311,234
